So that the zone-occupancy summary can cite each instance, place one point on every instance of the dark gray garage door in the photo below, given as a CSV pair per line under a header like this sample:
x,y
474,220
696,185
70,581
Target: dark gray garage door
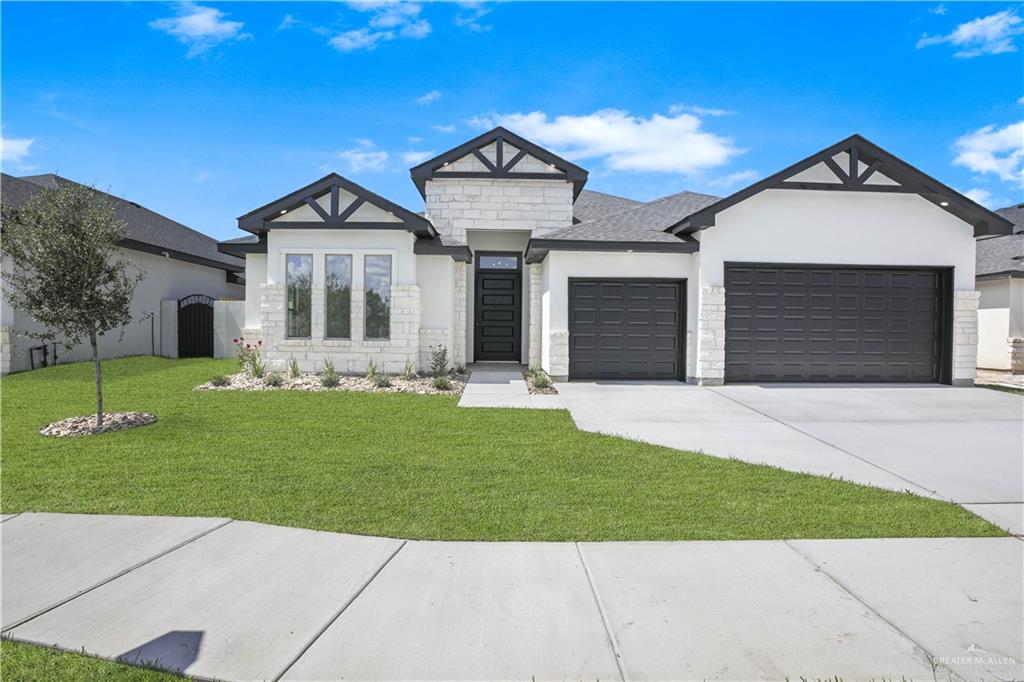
x,y
828,323
626,329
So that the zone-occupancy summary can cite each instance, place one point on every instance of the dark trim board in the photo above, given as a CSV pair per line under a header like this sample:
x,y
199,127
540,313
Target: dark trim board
x,y
432,247
537,249
153,249
681,329
944,320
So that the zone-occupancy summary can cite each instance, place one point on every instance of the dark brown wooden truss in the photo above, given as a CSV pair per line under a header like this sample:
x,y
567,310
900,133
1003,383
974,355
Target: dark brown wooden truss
x,y
503,165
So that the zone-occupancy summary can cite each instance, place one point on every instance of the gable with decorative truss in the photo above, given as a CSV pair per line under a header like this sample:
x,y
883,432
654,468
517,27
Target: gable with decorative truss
x,y
334,202
856,165
499,154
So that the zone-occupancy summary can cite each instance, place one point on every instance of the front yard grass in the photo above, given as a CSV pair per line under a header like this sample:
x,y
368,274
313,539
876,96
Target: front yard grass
x,y
29,663
408,466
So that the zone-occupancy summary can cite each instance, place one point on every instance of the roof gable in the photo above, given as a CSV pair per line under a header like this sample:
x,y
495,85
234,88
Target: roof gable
x,y
334,202
499,153
857,165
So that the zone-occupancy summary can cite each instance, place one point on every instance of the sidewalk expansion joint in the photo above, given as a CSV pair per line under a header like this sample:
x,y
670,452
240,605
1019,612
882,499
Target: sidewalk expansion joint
x,y
337,615
115,576
609,631
839,583
12,516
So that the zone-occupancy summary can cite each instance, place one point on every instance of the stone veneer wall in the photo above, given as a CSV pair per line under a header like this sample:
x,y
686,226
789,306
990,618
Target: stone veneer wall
x,y
711,336
965,337
457,205
1016,355
559,354
348,355
6,350
458,354
535,335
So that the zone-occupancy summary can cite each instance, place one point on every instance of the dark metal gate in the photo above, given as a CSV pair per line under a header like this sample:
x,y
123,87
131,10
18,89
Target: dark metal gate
x,y
195,326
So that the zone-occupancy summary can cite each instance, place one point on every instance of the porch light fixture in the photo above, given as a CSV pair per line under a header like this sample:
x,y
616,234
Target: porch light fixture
x,y
943,203
283,211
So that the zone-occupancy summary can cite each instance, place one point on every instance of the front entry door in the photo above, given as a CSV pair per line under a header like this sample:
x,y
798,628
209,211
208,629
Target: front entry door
x,y
498,306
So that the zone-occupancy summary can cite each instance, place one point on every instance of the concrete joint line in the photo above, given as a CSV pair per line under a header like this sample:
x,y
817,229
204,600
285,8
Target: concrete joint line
x,y
825,442
115,576
609,631
330,621
844,588
12,516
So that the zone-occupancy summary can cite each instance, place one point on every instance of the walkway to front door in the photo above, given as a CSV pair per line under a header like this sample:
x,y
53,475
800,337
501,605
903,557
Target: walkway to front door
x,y
503,385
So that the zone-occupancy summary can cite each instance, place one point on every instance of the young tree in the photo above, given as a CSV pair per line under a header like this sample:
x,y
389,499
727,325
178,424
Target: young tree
x,y
67,272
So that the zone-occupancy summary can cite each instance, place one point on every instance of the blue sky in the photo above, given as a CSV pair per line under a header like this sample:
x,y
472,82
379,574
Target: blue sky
x,y
204,111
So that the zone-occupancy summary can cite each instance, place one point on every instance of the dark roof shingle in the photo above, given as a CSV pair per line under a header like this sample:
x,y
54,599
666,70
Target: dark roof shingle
x,y
1003,255
640,223
590,205
143,227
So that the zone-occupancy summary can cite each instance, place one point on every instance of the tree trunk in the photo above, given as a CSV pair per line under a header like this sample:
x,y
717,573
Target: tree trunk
x,y
99,379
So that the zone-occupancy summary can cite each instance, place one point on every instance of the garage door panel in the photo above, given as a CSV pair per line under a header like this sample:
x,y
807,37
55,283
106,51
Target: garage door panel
x,y
631,329
818,323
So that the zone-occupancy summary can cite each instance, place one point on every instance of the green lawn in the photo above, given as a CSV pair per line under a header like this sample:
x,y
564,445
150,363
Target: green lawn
x,y
27,663
408,466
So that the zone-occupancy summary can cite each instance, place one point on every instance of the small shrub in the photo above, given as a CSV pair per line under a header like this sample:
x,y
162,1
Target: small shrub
x,y
461,369
257,368
540,378
293,368
371,370
438,361
329,367
409,372
441,383
220,380
329,380
274,380
381,380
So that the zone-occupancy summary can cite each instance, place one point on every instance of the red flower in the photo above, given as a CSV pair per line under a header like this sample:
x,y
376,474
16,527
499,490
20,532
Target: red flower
x,y
234,340
260,342
248,346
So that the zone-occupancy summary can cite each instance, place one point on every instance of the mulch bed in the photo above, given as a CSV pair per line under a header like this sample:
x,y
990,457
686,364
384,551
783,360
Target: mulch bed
x,y
311,382
86,424
547,390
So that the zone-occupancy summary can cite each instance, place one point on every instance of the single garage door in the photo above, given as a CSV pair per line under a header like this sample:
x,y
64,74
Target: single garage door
x,y
626,328
829,323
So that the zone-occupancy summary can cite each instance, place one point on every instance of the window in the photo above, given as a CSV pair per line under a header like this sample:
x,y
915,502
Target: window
x,y
498,262
378,297
338,297
300,296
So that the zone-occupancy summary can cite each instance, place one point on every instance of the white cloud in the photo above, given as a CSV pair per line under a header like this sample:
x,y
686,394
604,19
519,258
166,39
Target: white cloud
x,y
994,150
15,149
698,110
204,176
471,15
360,159
993,34
1020,101
982,196
665,144
414,140
938,9
200,28
428,97
444,129
733,179
364,142
388,20
415,157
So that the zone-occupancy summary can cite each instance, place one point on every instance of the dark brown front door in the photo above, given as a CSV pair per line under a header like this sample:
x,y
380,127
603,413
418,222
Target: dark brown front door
x,y
498,306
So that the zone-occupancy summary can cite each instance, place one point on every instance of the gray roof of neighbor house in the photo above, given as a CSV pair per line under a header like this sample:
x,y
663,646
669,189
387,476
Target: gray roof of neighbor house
x,y
146,230
644,222
1003,256
590,205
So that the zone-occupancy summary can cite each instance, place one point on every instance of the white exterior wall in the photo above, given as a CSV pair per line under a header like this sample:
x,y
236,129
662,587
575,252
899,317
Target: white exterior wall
x,y
842,228
456,206
348,355
436,279
559,266
255,275
165,278
1000,320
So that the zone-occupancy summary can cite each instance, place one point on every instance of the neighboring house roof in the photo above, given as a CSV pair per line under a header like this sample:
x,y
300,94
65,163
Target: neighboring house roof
x,y
145,230
867,164
590,204
334,202
637,228
1003,256
499,154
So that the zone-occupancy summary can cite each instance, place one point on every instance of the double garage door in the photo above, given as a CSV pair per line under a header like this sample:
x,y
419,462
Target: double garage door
x,y
828,323
798,323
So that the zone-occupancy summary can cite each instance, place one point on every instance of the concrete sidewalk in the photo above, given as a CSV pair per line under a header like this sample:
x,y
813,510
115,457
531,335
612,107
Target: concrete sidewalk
x,y
234,600
503,385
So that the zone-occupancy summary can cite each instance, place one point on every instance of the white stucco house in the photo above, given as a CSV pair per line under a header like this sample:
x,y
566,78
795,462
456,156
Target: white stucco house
x,y
1000,277
177,262
850,265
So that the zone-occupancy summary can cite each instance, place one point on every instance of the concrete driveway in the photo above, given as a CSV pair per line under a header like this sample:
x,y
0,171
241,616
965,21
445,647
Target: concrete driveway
x,y
959,444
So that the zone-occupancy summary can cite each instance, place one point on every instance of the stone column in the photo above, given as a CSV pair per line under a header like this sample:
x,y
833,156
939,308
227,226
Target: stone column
x,y
6,351
559,359
711,336
965,337
1016,355
458,351
536,297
